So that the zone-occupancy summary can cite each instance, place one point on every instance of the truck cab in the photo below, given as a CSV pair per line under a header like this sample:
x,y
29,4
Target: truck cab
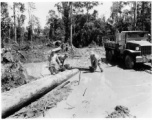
x,y
132,46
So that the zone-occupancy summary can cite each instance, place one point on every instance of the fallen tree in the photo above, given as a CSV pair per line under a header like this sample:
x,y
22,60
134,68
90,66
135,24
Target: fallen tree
x,y
19,97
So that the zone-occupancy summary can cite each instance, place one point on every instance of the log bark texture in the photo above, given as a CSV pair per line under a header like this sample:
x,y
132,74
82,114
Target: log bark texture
x,y
17,98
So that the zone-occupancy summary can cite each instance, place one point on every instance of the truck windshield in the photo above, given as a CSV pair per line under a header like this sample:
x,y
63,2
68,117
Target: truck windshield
x,y
137,35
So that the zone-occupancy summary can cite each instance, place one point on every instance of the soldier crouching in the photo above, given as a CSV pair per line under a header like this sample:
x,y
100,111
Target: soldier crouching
x,y
95,62
54,63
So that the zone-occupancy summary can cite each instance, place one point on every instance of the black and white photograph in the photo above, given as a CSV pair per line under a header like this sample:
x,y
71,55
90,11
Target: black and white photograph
x,y
76,59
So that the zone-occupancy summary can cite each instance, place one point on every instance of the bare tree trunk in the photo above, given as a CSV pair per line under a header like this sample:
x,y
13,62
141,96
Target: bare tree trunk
x,y
31,22
14,22
22,36
143,15
53,34
87,12
151,22
9,35
32,31
135,15
87,15
71,25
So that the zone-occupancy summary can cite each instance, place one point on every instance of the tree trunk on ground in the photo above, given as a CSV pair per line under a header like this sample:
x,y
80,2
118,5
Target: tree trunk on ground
x,y
17,98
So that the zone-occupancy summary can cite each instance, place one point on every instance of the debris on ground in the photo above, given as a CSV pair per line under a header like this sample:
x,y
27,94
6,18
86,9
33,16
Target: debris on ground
x,y
12,59
50,100
13,72
121,112
45,103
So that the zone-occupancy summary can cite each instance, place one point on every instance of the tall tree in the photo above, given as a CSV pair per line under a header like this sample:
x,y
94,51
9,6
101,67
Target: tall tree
x,y
31,8
52,21
144,15
20,18
5,22
64,9
133,10
36,26
56,26
20,28
89,6
14,6
71,25
151,24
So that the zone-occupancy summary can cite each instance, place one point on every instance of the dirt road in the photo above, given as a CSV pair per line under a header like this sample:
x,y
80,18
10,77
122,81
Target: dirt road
x,y
99,93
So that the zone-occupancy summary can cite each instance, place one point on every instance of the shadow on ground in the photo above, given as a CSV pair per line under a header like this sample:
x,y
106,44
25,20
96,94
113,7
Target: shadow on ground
x,y
119,63
85,70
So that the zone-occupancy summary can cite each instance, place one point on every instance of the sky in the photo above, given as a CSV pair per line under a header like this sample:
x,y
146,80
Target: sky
x,y
42,9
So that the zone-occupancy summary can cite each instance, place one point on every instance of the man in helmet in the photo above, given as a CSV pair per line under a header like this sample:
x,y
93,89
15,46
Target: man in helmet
x,y
95,61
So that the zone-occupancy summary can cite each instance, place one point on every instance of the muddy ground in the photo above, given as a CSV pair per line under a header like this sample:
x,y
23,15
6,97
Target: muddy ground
x,y
92,95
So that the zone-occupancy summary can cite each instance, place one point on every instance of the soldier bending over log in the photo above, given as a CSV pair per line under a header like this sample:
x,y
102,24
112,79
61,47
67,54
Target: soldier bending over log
x,y
95,61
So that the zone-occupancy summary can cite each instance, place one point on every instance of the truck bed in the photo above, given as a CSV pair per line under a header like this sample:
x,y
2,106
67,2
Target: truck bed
x,y
111,44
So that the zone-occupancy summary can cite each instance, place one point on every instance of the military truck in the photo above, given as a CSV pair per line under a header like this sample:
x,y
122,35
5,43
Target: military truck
x,y
130,46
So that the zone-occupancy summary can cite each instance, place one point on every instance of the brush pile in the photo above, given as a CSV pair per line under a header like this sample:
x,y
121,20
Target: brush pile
x,y
120,112
13,72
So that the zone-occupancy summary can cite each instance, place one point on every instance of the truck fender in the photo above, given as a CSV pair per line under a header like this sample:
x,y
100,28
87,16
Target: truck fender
x,y
129,52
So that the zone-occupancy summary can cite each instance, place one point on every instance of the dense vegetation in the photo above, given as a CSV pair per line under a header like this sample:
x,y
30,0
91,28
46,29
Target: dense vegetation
x,y
87,27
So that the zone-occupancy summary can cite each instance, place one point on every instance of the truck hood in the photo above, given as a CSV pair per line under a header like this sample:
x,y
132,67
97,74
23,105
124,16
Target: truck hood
x,y
141,43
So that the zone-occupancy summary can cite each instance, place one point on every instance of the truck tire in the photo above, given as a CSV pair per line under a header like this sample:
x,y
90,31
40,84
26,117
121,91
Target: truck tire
x,y
129,62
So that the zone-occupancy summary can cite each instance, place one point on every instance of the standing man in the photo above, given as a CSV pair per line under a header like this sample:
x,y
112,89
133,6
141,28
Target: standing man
x,y
95,61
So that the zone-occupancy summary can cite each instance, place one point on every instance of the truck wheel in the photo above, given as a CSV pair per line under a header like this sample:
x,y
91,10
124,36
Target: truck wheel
x,y
129,62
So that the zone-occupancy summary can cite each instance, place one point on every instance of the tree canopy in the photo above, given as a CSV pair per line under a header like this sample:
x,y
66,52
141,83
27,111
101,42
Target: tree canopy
x,y
87,27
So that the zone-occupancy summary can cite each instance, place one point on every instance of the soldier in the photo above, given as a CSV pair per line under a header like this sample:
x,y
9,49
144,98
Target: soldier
x,y
62,58
63,66
54,63
95,61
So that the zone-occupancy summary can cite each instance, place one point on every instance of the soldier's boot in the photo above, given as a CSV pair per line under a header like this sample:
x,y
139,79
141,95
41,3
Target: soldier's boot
x,y
100,67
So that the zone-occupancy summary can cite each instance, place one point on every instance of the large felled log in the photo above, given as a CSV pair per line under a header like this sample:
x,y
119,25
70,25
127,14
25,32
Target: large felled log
x,y
19,97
